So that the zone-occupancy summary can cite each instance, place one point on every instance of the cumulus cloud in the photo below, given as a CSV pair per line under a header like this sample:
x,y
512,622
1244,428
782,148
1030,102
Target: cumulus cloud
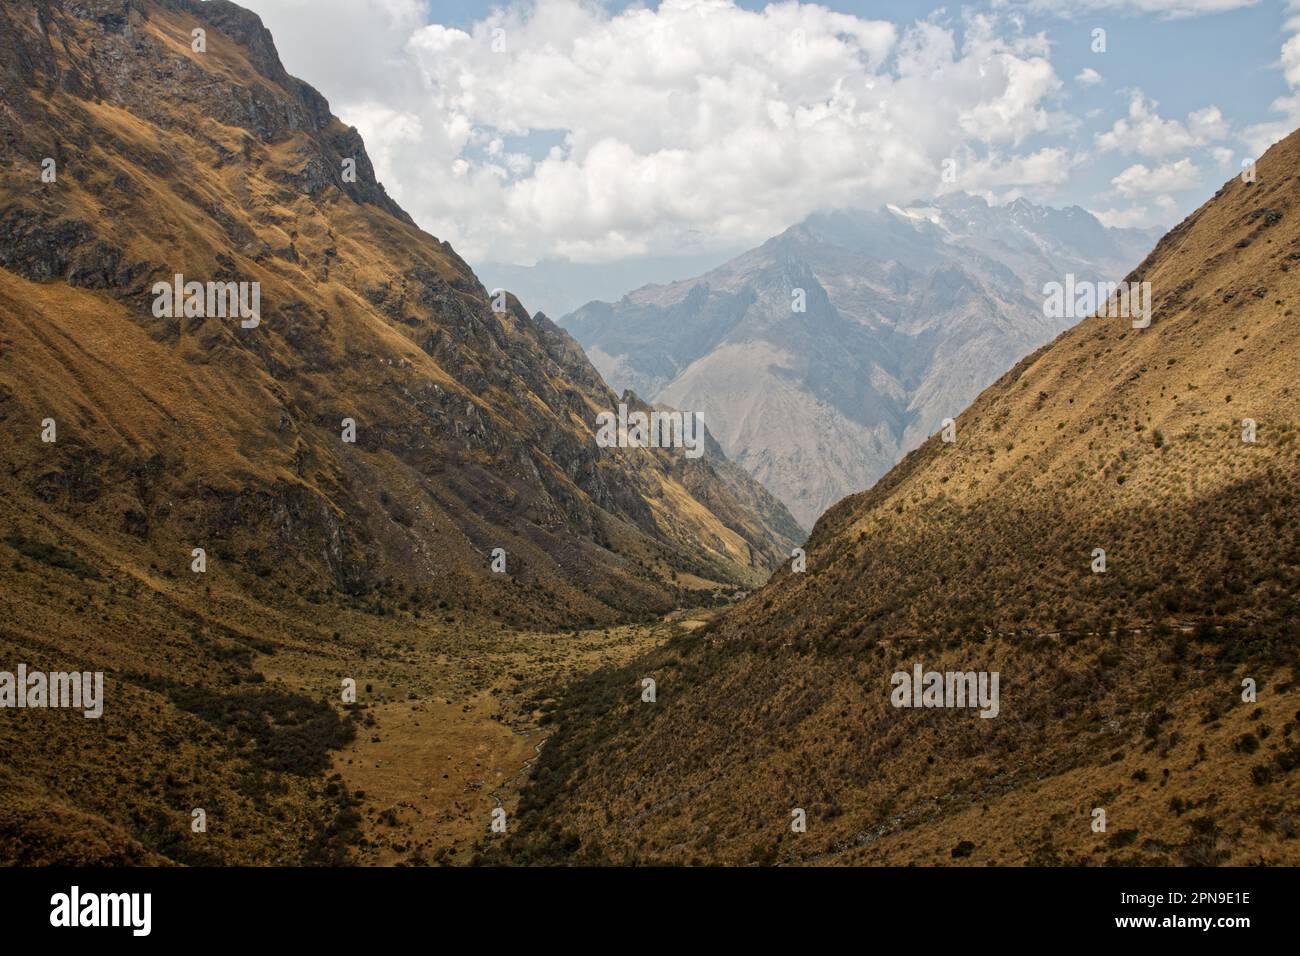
x,y
1222,157
1261,136
1002,178
1291,60
551,128
1130,217
1170,9
564,128
1145,132
1149,189
1138,180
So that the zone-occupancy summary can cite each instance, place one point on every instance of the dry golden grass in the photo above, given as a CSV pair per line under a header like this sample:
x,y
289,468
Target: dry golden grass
x,y
977,555
475,431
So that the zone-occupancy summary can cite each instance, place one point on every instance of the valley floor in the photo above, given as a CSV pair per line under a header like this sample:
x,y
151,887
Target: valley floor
x,y
432,764
228,698
228,695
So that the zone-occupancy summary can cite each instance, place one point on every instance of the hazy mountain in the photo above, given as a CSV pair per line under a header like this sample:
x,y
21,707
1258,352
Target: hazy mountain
x,y
355,456
909,313
1159,689
559,286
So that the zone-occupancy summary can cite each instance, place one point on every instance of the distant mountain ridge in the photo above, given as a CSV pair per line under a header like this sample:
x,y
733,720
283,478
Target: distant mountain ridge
x,y
1112,532
910,312
560,286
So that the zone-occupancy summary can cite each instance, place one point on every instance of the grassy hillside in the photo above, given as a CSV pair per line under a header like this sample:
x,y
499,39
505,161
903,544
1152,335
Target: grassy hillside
x,y
474,431
1120,691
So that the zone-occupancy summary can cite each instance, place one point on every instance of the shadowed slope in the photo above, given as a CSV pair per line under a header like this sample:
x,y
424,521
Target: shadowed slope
x,y
1120,690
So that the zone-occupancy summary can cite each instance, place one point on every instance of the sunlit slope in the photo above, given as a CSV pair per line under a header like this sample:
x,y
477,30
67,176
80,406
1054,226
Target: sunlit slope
x,y
473,428
1120,690
325,559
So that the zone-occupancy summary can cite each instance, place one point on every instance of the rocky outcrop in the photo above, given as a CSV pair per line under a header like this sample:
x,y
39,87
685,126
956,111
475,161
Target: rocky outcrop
x,y
473,429
904,316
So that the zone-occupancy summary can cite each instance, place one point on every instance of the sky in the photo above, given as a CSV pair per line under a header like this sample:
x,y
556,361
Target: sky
x,y
601,132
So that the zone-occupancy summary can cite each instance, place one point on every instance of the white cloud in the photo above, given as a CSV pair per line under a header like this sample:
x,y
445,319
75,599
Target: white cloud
x,y
1260,136
597,134
1222,157
1206,125
1291,60
1146,133
1138,180
1170,9
1130,217
1003,178
1087,77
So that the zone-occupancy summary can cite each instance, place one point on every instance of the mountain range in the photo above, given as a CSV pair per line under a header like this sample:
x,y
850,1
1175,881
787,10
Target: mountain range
x,y
821,357
337,528
1111,533
560,286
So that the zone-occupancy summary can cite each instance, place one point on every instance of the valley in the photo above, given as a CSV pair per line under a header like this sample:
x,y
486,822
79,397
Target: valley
x,y
454,727
228,699
369,558
1148,701
266,444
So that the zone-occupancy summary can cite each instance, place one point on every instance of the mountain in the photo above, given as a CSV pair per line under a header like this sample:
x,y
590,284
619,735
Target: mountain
x,y
560,286
474,429
1148,710
908,314
369,447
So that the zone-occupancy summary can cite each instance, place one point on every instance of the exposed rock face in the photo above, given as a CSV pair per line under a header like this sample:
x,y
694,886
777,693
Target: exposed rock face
x,y
132,156
909,313
381,479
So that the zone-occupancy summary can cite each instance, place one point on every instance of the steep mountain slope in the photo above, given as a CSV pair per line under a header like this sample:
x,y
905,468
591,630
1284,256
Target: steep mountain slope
x,y
909,314
133,150
1123,690
477,427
